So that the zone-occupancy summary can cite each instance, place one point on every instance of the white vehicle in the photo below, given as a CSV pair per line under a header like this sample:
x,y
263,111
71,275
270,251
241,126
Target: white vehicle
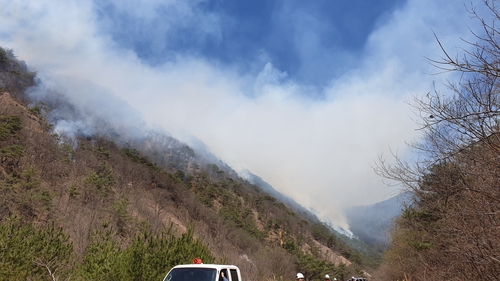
x,y
203,272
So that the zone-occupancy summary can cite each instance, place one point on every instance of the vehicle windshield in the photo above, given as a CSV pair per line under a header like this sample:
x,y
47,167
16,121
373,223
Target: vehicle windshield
x,y
192,274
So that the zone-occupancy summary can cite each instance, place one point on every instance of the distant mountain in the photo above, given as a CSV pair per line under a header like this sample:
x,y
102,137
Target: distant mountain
x,y
371,223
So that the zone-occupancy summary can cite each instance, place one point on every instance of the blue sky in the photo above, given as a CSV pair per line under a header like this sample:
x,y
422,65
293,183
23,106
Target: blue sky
x,y
240,32
305,94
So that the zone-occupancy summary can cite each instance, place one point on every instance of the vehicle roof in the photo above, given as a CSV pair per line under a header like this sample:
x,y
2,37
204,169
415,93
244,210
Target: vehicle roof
x,y
203,265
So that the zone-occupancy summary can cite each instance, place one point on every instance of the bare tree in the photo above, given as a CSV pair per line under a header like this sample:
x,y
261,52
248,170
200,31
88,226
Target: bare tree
x,y
451,229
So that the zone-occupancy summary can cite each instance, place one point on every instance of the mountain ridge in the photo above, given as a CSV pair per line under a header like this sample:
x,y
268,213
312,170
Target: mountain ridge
x,y
371,223
105,179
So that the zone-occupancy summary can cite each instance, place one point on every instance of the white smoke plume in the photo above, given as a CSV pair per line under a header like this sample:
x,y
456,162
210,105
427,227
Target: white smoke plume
x,y
315,145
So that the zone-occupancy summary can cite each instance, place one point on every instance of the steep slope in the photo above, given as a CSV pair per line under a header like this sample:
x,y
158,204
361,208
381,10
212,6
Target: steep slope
x,y
88,183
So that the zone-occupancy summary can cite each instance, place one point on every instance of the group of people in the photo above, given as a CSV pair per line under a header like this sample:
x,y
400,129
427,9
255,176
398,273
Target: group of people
x,y
300,277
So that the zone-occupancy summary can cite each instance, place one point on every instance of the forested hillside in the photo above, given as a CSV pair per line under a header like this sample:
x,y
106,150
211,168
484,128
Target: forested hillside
x,y
451,231
104,207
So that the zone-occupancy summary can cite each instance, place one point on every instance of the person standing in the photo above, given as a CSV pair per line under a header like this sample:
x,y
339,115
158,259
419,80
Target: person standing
x,y
299,277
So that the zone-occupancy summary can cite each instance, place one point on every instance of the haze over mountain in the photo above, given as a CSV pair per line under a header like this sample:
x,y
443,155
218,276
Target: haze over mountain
x,y
372,223
94,203
305,95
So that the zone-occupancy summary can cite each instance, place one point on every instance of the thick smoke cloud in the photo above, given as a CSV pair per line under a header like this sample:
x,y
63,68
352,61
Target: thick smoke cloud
x,y
315,144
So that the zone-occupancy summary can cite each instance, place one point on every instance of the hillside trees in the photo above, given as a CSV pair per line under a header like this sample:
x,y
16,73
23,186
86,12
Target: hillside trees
x,y
149,256
14,75
114,200
31,253
451,230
